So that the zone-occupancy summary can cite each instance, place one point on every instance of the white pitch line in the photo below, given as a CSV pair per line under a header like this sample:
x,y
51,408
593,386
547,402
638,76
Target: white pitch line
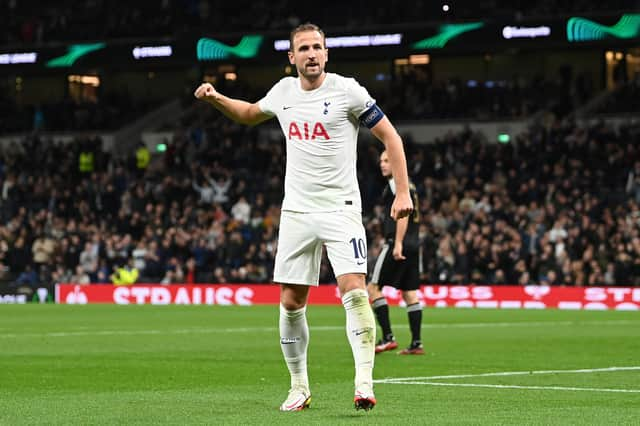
x,y
476,385
141,332
507,373
528,324
316,328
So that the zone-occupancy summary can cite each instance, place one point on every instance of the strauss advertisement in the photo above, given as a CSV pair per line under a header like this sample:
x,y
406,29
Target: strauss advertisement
x,y
508,297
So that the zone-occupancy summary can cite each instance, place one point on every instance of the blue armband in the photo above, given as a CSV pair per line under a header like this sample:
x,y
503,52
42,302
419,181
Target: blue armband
x,y
371,116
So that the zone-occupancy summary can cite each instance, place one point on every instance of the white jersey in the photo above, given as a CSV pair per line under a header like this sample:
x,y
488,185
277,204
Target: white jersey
x,y
321,130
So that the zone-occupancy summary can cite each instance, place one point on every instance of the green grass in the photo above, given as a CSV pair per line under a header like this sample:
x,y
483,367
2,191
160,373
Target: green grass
x,y
105,364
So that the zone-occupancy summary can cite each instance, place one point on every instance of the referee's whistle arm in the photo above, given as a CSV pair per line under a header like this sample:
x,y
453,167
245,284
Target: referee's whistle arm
x,y
400,209
400,213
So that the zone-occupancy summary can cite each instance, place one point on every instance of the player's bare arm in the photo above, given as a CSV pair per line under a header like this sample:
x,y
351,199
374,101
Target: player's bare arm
x,y
402,225
387,134
237,110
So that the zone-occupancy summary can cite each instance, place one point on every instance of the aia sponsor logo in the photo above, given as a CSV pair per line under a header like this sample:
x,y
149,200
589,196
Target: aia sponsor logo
x,y
307,131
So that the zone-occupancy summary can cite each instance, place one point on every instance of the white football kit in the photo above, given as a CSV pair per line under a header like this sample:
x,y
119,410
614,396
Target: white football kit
x,y
322,202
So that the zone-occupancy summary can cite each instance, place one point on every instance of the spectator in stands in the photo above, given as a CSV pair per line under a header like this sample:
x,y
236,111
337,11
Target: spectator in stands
x,y
18,256
80,277
126,274
89,260
241,210
221,189
143,158
174,273
43,249
633,182
206,189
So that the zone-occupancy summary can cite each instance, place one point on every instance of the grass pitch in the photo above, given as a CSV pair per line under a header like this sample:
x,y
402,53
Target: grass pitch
x,y
106,364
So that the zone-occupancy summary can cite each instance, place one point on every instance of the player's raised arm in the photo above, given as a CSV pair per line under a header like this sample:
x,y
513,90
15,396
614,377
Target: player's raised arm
x,y
387,134
237,110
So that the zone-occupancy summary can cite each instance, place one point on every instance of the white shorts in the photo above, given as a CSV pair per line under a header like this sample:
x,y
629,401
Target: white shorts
x,y
300,243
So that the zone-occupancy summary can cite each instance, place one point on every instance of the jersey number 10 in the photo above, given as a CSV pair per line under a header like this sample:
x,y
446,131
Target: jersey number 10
x,y
359,248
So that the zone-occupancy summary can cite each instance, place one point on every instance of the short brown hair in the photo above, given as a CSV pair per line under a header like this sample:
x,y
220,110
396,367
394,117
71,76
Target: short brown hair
x,y
307,26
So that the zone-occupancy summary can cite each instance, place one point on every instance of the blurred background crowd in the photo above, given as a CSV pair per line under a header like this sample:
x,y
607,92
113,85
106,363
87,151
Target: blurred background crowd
x,y
558,205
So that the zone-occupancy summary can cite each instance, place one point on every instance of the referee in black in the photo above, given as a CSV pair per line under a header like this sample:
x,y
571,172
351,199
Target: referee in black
x,y
397,266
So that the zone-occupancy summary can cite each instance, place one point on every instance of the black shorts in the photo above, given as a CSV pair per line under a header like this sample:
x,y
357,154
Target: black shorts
x,y
401,274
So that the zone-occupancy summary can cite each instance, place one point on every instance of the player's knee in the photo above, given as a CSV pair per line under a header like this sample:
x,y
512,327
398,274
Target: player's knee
x,y
374,291
293,297
410,297
292,305
348,282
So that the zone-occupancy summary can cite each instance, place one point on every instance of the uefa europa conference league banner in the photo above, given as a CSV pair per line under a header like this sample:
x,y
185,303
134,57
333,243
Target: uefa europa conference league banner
x,y
480,36
507,297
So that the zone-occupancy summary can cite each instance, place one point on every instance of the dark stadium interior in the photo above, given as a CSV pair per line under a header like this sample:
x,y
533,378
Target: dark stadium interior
x,y
556,202
42,21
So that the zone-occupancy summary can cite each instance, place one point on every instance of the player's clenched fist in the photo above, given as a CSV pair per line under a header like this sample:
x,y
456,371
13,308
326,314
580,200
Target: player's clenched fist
x,y
205,92
402,206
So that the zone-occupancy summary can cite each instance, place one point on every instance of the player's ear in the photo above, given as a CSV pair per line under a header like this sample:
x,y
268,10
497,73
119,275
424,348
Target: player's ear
x,y
326,54
292,59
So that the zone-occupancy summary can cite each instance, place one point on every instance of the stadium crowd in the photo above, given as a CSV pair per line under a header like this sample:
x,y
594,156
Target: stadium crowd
x,y
110,111
413,94
558,205
625,99
410,94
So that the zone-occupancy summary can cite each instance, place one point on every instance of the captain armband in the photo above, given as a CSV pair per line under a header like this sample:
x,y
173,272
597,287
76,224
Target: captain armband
x,y
371,116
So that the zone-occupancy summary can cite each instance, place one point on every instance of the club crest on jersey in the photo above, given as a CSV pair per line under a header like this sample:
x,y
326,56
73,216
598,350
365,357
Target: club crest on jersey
x,y
326,108
307,131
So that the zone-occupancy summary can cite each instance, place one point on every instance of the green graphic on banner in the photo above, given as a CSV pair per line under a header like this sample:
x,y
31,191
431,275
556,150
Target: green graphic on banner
x,y
210,50
582,29
447,32
75,51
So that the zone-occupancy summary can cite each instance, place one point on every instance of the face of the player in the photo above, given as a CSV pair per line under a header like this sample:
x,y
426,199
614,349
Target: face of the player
x,y
385,166
308,54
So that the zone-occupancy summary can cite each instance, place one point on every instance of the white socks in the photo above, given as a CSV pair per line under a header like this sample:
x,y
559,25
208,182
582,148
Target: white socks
x,y
294,340
361,331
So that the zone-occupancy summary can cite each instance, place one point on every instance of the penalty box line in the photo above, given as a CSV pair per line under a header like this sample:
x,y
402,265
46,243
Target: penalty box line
x,y
427,381
477,385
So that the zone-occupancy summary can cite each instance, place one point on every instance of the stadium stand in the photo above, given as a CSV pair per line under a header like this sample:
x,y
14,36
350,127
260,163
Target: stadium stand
x,y
554,206
625,99
413,97
109,112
